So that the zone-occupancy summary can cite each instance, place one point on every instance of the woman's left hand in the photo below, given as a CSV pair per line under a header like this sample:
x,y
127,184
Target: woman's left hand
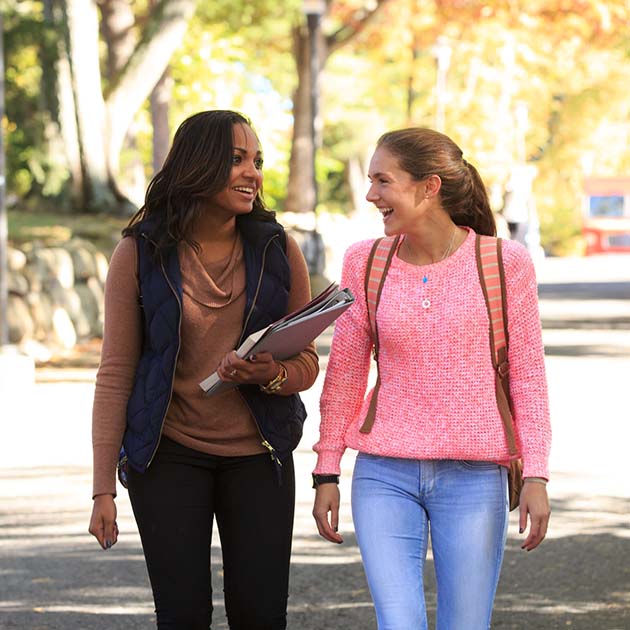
x,y
535,504
258,370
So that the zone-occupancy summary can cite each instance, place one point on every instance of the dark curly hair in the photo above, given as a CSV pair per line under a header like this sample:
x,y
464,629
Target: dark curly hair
x,y
198,165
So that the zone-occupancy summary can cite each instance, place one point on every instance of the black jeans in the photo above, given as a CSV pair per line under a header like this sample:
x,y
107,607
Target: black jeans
x,y
174,502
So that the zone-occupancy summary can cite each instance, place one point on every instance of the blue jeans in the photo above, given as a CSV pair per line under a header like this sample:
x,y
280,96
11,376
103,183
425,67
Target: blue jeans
x,y
463,504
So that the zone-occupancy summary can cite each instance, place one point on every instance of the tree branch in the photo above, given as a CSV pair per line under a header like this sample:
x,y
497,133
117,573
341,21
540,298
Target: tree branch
x,y
163,34
362,18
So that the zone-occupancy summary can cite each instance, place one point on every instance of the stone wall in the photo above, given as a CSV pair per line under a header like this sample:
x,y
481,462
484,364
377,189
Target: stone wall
x,y
56,293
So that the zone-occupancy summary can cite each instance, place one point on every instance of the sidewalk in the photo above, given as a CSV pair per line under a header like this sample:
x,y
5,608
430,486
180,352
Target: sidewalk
x,y
53,576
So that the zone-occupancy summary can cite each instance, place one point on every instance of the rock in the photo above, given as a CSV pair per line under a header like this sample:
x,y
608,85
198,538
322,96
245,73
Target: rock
x,y
18,284
19,318
63,332
16,259
91,295
53,265
102,266
97,289
36,350
83,243
83,262
33,277
41,307
43,281
70,301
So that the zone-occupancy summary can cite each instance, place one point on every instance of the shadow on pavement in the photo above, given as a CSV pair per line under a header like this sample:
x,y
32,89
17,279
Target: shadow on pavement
x,y
585,291
609,322
586,350
579,580
54,577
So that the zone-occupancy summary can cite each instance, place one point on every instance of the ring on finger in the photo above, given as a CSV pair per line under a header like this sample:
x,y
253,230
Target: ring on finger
x,y
233,372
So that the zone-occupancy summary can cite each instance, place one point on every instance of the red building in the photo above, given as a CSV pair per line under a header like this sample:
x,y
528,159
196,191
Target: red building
x,y
606,225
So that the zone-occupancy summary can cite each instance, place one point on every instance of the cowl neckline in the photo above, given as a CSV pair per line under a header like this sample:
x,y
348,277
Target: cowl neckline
x,y
215,284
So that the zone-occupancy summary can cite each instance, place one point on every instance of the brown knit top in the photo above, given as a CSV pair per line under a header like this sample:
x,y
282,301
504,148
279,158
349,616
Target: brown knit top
x,y
213,306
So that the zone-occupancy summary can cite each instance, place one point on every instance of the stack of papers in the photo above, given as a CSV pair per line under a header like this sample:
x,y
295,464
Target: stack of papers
x,y
290,335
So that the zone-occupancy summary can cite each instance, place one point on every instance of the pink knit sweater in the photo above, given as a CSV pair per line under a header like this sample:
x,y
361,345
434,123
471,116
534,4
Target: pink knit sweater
x,y
437,397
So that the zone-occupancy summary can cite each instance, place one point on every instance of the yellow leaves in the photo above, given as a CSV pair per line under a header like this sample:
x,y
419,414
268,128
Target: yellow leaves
x,y
605,17
24,69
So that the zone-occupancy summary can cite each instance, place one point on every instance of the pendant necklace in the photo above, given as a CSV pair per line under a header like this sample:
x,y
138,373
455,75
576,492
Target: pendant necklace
x,y
426,302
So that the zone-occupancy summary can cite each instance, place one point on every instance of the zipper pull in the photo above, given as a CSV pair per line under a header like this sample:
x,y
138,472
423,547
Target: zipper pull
x,y
272,453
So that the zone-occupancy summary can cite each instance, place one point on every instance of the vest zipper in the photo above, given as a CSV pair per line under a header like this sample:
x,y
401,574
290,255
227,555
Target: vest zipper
x,y
260,277
272,451
179,345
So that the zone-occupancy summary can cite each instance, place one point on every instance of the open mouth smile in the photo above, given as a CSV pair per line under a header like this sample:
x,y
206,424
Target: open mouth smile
x,y
247,190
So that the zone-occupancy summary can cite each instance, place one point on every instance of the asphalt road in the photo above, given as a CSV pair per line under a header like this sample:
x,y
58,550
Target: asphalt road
x,y
53,575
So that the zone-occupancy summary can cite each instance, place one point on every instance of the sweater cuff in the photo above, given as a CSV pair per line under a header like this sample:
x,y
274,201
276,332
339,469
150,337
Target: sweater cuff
x,y
328,463
535,469
104,476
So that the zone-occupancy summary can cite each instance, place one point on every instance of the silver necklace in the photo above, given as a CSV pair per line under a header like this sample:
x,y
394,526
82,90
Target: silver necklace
x,y
426,302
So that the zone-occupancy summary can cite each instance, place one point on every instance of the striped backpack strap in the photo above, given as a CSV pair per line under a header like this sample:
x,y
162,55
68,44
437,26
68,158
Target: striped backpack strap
x,y
492,280
378,263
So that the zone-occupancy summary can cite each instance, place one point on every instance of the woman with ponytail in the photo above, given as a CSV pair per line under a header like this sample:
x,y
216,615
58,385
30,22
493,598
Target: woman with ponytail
x,y
433,454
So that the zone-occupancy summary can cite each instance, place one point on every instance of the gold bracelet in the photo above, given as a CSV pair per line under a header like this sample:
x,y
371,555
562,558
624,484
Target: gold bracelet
x,y
275,383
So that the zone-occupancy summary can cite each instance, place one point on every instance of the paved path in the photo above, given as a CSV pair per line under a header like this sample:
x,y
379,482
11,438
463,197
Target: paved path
x,y
53,576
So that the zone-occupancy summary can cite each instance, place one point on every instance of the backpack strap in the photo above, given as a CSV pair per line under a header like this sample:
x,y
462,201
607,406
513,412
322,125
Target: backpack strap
x,y
378,263
492,280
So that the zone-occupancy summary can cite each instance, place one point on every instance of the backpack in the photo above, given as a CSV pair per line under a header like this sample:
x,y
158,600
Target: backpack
x,y
492,279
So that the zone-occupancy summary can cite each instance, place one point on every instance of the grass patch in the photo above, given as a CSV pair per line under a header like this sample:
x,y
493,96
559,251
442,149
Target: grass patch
x,y
52,229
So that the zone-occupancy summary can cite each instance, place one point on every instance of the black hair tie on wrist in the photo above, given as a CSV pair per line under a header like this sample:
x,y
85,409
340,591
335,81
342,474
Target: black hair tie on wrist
x,y
318,480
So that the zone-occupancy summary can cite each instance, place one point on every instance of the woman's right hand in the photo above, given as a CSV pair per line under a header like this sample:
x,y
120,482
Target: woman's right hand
x,y
103,522
327,501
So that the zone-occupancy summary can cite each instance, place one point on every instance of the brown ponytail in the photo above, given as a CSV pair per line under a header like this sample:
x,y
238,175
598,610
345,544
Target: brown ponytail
x,y
424,152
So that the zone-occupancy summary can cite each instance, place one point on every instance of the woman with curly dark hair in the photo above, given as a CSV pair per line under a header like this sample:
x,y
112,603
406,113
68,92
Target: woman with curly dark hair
x,y
201,266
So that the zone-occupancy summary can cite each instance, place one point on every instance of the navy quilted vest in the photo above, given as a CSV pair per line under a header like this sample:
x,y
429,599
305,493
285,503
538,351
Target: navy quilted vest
x,y
279,418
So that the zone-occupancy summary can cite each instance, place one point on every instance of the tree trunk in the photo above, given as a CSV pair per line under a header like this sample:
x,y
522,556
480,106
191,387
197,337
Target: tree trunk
x,y
412,92
83,56
47,57
94,125
53,78
300,191
160,99
68,126
356,177
162,36
117,22
159,102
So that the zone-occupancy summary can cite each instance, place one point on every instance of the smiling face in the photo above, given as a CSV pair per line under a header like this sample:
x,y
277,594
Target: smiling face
x,y
400,198
246,177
